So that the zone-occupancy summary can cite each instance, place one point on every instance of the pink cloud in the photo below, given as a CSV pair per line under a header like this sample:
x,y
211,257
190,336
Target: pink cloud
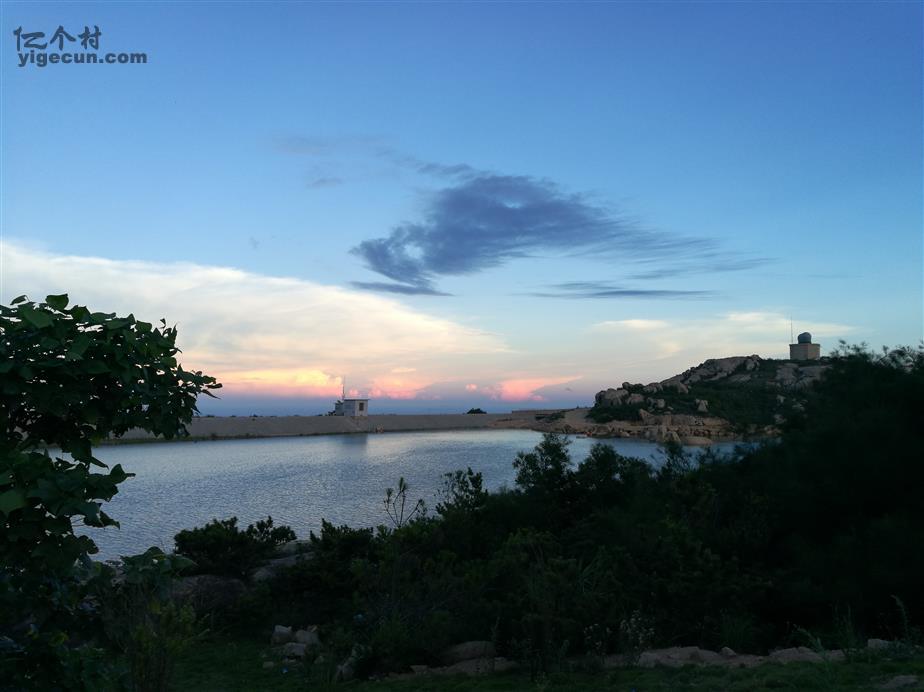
x,y
523,389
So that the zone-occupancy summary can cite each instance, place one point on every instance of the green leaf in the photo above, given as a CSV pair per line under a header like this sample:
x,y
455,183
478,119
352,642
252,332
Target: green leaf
x,y
12,500
19,299
95,367
36,318
118,323
58,302
80,345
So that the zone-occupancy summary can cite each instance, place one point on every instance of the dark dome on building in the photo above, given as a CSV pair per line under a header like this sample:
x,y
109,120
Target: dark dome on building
x,y
804,338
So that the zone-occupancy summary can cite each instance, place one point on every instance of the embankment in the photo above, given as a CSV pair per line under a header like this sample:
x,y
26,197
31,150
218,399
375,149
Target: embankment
x,y
226,427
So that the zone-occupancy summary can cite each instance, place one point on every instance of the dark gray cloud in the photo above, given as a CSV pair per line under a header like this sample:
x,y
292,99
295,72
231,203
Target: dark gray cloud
x,y
488,220
483,219
708,263
606,289
424,289
372,147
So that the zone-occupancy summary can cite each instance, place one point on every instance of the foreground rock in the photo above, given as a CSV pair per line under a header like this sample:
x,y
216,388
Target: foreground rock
x,y
899,682
207,592
467,651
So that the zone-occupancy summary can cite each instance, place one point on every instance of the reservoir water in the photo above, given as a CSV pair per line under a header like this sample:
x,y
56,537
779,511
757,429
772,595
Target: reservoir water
x,y
301,480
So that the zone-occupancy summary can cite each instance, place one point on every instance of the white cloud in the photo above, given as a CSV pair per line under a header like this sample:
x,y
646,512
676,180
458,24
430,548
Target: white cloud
x,y
259,331
687,342
637,325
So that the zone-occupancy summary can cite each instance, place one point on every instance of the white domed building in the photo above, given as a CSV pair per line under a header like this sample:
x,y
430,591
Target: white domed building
x,y
804,349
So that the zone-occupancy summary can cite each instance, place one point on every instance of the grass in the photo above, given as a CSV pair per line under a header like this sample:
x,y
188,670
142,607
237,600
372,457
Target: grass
x,y
223,665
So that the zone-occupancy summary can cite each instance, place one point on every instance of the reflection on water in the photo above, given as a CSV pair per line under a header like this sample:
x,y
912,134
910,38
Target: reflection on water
x,y
300,480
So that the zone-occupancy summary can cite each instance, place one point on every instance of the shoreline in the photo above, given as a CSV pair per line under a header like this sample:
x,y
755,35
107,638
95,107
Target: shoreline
x,y
700,431
258,427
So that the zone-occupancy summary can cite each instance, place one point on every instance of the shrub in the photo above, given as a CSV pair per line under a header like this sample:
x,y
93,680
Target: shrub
x,y
68,379
220,547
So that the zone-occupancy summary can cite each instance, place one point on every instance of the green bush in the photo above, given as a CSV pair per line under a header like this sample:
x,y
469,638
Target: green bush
x,y
610,554
220,547
70,378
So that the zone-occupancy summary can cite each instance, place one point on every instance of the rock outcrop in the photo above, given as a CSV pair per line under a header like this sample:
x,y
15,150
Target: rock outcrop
x,y
698,406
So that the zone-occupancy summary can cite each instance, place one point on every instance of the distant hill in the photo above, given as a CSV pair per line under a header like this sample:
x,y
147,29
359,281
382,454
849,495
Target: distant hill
x,y
745,391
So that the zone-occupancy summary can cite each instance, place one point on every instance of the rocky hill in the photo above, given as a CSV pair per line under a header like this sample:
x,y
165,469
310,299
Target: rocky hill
x,y
719,399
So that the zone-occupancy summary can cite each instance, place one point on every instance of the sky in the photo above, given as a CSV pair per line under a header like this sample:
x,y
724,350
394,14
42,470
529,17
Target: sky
x,y
447,205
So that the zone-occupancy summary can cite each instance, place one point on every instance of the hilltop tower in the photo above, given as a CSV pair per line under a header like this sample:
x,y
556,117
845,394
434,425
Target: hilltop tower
x,y
804,349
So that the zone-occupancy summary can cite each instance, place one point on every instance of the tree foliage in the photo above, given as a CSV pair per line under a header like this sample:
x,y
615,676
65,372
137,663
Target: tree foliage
x,y
70,378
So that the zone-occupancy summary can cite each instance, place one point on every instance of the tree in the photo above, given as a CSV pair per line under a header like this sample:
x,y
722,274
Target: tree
x,y
69,378
547,469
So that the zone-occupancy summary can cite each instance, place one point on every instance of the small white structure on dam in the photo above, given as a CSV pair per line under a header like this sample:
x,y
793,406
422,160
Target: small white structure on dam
x,y
804,349
355,408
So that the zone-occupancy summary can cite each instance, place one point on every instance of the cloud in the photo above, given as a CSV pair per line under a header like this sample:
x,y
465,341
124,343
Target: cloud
x,y
425,289
524,389
371,147
707,263
485,219
605,289
256,332
690,341
489,220
636,324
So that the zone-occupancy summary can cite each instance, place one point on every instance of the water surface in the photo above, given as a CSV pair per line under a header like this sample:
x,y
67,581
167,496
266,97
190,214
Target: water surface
x,y
300,480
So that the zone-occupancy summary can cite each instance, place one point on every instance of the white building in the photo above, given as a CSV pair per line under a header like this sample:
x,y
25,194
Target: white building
x,y
355,408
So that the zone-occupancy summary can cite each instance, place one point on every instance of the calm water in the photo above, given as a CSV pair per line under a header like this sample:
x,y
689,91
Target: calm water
x,y
300,480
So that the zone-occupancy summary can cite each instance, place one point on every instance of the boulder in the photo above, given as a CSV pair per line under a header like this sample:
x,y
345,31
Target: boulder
x,y
878,644
702,405
346,671
899,682
281,635
707,657
294,650
674,657
480,666
795,654
308,637
727,652
671,436
647,417
610,397
635,399
467,651
272,567
207,592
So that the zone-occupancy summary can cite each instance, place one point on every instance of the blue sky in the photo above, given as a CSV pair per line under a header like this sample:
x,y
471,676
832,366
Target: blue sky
x,y
450,204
